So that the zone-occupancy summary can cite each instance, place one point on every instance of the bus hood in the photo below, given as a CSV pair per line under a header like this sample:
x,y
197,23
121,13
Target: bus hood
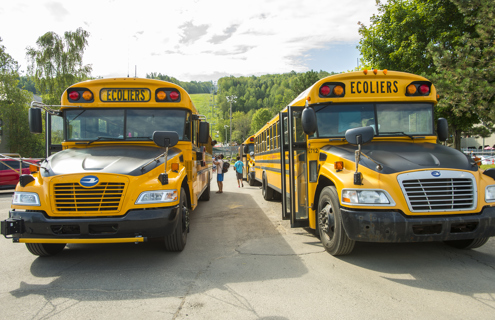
x,y
127,160
398,157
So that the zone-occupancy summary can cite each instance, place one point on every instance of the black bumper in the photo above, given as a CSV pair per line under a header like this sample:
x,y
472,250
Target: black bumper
x,y
392,226
149,223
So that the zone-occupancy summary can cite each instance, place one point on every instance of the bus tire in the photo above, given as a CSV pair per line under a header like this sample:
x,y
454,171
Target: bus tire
x,y
330,226
266,190
45,249
177,240
205,196
467,244
251,182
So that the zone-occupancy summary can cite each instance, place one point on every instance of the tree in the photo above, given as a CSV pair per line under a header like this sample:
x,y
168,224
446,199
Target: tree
x,y
304,81
241,123
398,37
260,118
56,63
466,72
14,105
425,37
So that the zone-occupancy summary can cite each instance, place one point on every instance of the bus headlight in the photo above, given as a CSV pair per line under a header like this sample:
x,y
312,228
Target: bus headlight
x,y
26,199
157,196
366,197
490,194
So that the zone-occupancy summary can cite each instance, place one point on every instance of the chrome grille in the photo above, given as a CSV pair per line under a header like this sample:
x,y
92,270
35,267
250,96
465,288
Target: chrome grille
x,y
445,193
73,197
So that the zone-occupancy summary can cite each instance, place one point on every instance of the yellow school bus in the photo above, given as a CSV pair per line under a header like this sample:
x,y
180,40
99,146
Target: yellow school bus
x,y
246,152
135,158
362,163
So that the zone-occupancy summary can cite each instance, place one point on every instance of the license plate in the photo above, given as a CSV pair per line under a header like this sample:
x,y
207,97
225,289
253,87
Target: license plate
x,y
125,95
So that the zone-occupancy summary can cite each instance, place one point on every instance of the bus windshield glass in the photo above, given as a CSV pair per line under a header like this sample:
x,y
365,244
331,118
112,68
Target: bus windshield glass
x,y
385,118
250,147
122,124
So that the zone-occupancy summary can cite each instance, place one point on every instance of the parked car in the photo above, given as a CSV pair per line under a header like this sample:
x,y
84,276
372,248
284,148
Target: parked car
x,y
9,172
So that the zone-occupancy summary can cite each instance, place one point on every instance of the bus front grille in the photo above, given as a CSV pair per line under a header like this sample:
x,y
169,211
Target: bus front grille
x,y
102,198
440,194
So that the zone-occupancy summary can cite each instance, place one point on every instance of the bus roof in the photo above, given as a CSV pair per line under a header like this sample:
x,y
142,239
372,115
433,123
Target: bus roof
x,y
248,140
127,92
384,86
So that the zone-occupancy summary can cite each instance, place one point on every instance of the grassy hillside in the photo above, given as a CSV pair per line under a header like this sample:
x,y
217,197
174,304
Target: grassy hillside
x,y
203,102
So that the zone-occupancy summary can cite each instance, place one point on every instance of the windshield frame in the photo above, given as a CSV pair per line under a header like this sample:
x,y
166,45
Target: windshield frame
x,y
321,107
184,136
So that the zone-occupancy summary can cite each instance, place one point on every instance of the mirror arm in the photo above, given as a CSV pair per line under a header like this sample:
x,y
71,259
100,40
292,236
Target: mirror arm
x,y
358,177
47,108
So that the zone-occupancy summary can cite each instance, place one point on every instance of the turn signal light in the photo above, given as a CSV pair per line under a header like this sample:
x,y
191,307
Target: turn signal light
x,y
87,95
161,95
33,169
338,165
175,166
338,90
411,89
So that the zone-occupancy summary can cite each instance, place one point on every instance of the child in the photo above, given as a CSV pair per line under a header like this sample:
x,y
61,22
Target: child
x,y
238,170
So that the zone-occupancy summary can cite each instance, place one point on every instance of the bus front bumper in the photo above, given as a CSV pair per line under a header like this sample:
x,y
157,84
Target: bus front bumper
x,y
135,226
392,226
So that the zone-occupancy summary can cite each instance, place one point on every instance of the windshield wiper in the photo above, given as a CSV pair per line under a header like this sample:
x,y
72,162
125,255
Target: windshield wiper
x,y
403,133
103,138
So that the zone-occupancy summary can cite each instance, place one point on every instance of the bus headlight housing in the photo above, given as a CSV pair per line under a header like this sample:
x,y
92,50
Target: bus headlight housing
x,y
490,194
157,196
366,197
26,199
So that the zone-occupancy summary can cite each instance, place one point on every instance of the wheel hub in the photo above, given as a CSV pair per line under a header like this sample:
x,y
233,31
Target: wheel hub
x,y
326,220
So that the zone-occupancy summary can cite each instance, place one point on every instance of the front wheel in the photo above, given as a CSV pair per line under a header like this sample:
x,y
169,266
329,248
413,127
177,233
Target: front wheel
x,y
330,226
177,240
45,249
467,244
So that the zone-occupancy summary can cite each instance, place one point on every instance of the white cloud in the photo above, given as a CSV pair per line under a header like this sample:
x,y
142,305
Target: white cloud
x,y
189,39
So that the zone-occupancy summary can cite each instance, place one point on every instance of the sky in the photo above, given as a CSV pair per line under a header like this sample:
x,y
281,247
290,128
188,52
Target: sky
x,y
195,40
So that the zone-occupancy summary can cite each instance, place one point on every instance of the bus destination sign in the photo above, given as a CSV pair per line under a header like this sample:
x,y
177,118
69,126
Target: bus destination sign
x,y
125,95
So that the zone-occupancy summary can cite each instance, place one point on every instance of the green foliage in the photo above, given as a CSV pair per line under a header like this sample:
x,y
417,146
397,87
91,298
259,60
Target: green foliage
x,y
465,73
56,63
260,118
192,87
398,36
448,41
14,105
27,84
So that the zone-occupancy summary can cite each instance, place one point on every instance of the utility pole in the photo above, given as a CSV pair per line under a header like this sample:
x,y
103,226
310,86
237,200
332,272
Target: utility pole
x,y
231,99
226,140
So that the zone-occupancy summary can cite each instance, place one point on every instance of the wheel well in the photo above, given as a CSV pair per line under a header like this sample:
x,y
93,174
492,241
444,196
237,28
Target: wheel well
x,y
186,188
322,183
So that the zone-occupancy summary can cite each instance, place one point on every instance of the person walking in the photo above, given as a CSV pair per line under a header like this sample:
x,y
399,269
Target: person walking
x,y
238,171
219,163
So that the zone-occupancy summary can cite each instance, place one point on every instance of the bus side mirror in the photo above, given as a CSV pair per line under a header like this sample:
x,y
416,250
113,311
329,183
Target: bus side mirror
x,y
246,149
308,121
204,129
165,138
442,129
359,135
35,120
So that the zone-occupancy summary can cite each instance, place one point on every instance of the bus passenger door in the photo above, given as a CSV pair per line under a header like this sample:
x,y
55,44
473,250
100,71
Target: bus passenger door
x,y
54,131
293,151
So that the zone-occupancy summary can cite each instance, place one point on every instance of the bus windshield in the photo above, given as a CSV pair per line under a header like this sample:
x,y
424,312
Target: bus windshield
x,y
385,118
250,147
122,124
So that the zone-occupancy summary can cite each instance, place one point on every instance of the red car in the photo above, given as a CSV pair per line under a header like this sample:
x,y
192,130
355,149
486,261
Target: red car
x,y
8,177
